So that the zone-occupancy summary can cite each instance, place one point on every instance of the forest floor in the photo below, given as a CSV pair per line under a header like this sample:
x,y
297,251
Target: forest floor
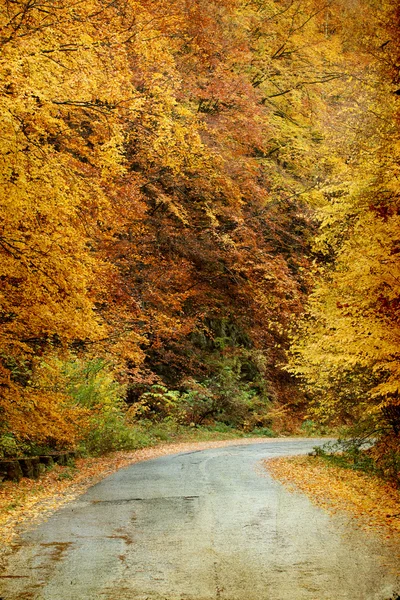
x,y
373,503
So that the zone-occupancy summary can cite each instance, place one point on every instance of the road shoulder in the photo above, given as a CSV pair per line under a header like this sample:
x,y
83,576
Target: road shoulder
x,y
372,504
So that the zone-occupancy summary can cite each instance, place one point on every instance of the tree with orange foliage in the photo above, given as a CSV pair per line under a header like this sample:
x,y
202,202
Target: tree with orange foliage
x,y
161,162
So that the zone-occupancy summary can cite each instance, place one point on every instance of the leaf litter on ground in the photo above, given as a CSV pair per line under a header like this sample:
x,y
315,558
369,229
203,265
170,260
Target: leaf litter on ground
x,y
373,504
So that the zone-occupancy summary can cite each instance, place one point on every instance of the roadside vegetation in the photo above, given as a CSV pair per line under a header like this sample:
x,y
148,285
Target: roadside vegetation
x,y
380,458
107,423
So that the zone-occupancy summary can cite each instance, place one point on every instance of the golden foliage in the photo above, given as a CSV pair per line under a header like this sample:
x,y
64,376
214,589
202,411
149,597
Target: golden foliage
x,y
160,162
346,349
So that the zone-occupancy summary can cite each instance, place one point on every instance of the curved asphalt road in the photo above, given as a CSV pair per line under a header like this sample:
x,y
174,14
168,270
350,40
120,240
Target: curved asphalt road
x,y
202,525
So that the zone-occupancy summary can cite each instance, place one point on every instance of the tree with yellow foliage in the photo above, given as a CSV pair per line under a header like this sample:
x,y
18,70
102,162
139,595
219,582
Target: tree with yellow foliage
x,y
161,162
62,133
347,347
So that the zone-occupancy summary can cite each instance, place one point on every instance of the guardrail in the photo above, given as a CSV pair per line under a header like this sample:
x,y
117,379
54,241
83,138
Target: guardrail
x,y
13,469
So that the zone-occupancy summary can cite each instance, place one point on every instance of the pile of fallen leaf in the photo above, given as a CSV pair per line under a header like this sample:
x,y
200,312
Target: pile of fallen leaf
x,y
374,503
30,501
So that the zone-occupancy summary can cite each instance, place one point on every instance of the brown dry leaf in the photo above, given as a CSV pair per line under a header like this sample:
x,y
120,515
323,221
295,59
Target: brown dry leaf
x,y
373,503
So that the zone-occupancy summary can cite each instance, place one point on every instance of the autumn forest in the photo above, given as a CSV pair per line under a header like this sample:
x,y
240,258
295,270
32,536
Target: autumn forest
x,y
200,220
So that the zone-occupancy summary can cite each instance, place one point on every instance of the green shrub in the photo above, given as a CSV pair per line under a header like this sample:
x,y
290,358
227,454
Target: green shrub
x,y
197,404
312,429
262,432
164,431
157,404
90,387
222,427
9,446
108,433
92,384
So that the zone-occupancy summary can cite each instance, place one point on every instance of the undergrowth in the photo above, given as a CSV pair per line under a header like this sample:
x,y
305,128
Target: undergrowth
x,y
379,457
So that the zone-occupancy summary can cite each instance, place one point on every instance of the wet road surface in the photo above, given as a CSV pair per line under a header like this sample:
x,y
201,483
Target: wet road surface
x,y
203,525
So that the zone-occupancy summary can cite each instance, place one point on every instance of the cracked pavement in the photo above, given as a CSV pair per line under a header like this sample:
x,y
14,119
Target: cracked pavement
x,y
201,525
